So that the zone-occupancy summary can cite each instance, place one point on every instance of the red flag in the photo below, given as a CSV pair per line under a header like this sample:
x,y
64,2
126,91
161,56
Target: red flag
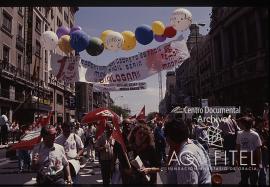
x,y
99,114
132,117
117,135
141,115
43,121
101,127
102,115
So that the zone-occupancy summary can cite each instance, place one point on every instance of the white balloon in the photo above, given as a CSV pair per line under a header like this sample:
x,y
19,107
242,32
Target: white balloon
x,y
114,41
181,19
49,40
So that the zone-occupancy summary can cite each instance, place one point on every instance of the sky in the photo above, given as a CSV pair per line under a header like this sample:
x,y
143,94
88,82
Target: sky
x,y
95,20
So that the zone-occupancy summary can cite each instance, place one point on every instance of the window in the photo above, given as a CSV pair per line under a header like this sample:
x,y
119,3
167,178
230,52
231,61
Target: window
x,y
46,77
46,58
46,27
59,23
59,99
19,61
38,25
218,52
20,10
7,22
20,30
66,16
52,14
231,46
264,27
40,9
60,9
6,53
252,34
71,25
240,39
38,48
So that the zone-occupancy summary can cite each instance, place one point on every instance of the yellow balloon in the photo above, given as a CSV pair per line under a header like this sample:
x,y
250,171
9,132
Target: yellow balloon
x,y
64,44
158,27
129,40
103,36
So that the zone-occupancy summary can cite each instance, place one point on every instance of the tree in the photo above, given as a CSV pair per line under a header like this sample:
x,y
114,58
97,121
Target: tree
x,y
119,110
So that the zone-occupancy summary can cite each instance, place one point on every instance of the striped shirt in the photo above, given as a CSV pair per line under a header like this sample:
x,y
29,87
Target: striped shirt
x,y
108,143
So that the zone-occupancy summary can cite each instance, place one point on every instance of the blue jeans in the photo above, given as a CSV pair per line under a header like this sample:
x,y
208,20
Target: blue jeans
x,y
24,159
75,179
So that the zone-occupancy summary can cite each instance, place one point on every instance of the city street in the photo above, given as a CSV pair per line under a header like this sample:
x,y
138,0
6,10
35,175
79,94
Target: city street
x,y
90,174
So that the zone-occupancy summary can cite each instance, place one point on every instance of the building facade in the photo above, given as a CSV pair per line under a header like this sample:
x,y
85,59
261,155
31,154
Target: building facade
x,y
231,64
168,103
87,99
28,90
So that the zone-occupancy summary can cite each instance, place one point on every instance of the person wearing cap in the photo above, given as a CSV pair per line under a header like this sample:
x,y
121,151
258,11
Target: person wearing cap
x,y
49,159
73,147
188,162
104,145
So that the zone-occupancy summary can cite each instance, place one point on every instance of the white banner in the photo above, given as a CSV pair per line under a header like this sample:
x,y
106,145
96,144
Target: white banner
x,y
121,70
119,87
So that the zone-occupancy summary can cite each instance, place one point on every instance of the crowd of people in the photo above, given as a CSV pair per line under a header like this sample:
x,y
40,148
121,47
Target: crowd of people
x,y
167,142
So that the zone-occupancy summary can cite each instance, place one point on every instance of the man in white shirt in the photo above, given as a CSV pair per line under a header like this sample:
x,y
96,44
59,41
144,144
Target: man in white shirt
x,y
73,147
188,162
79,131
49,159
248,144
104,146
90,141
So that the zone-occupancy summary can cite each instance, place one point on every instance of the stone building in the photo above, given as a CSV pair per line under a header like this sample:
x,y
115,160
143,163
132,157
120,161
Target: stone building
x,y
26,87
231,65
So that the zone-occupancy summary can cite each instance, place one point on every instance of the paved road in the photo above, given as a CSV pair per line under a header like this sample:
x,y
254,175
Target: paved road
x,y
91,174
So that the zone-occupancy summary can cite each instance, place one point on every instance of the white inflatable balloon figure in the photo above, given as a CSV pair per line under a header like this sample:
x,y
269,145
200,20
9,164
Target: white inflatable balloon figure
x,y
181,19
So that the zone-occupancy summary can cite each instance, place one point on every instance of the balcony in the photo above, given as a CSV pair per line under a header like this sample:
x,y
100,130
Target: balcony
x,y
20,42
6,29
11,70
4,92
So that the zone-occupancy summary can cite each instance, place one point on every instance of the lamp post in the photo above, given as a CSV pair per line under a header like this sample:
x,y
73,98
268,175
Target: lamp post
x,y
197,60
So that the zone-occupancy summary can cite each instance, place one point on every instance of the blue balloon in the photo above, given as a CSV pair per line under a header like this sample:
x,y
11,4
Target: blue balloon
x,y
144,34
79,40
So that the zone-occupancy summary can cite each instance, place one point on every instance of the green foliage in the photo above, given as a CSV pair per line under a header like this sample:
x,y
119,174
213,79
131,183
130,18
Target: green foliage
x,y
119,110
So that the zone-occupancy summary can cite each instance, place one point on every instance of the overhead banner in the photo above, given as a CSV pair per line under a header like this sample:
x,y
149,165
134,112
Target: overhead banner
x,y
121,70
119,87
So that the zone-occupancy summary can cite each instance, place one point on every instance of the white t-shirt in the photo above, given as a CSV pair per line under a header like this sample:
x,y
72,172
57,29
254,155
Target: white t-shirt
x,y
70,145
79,132
248,140
52,160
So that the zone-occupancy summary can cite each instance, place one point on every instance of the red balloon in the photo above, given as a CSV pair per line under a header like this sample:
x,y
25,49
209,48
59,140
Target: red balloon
x,y
169,32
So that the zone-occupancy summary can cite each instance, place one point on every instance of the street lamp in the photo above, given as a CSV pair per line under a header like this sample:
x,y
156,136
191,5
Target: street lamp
x,y
197,60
